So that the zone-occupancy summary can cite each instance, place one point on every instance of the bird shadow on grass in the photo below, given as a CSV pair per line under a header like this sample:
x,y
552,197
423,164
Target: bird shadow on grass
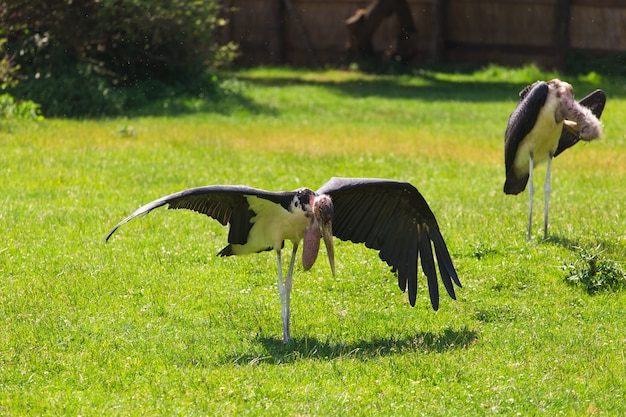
x,y
302,348
562,241
578,246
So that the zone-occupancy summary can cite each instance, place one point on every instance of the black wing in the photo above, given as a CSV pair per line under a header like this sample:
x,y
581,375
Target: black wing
x,y
595,101
226,204
394,218
520,123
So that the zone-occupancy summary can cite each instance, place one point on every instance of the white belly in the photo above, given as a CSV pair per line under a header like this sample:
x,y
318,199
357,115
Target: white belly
x,y
272,225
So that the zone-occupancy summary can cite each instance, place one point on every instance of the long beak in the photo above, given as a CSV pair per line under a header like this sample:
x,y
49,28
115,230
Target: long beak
x,y
571,126
327,234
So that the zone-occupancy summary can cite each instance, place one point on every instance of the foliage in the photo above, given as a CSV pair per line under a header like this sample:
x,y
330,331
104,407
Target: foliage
x,y
25,110
10,111
129,40
74,54
606,63
74,91
7,68
594,273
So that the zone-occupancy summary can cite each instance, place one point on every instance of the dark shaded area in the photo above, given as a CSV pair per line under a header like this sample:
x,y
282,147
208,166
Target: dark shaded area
x,y
436,89
278,352
611,64
210,95
84,58
364,23
226,93
614,249
122,40
91,98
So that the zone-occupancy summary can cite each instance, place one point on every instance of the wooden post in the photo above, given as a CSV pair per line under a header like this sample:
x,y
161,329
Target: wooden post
x,y
406,47
303,33
561,32
276,38
439,26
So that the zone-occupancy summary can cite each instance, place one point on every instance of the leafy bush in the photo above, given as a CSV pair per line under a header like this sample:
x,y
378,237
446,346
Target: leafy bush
x,y
605,63
594,273
13,113
74,56
7,68
11,110
73,92
24,110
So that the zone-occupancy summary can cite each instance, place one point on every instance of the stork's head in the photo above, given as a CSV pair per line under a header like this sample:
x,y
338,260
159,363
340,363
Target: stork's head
x,y
563,89
303,201
578,119
321,227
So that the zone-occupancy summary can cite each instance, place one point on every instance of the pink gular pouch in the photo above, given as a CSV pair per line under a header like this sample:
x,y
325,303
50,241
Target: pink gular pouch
x,y
311,244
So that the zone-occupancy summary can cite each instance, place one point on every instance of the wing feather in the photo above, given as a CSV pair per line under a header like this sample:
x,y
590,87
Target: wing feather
x,y
224,203
428,266
519,125
393,218
446,269
411,273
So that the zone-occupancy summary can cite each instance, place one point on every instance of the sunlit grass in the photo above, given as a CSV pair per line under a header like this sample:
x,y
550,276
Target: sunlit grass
x,y
155,323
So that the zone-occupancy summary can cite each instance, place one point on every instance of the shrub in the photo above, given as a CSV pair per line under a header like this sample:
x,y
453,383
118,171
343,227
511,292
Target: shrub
x,y
594,273
74,91
24,110
9,109
7,68
74,55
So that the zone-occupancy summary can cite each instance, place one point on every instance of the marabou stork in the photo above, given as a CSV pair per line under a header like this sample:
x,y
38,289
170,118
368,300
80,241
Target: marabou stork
x,y
546,121
389,216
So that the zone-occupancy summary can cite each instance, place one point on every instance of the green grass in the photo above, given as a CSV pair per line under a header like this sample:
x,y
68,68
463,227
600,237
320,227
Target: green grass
x,y
154,323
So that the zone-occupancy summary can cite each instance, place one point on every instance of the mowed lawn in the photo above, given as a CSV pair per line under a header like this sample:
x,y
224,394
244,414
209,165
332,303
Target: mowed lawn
x,y
153,323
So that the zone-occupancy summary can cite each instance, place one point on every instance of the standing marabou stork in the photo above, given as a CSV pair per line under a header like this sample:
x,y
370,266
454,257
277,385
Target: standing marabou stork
x,y
386,215
547,121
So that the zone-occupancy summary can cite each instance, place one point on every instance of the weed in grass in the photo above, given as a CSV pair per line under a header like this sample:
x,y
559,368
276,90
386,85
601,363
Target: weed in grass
x,y
594,273
126,131
493,314
482,250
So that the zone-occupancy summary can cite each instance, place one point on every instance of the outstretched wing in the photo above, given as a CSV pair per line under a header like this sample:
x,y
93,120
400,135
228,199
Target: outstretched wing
x,y
226,204
595,101
393,218
520,123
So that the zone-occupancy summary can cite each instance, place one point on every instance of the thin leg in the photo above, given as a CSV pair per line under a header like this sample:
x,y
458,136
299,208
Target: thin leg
x,y
284,289
288,285
531,194
546,192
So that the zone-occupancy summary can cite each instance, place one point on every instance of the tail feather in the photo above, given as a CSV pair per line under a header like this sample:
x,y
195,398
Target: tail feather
x,y
515,185
227,251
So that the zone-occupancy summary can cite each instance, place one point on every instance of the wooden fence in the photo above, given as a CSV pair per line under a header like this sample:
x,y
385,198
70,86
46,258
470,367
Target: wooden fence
x,y
508,32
